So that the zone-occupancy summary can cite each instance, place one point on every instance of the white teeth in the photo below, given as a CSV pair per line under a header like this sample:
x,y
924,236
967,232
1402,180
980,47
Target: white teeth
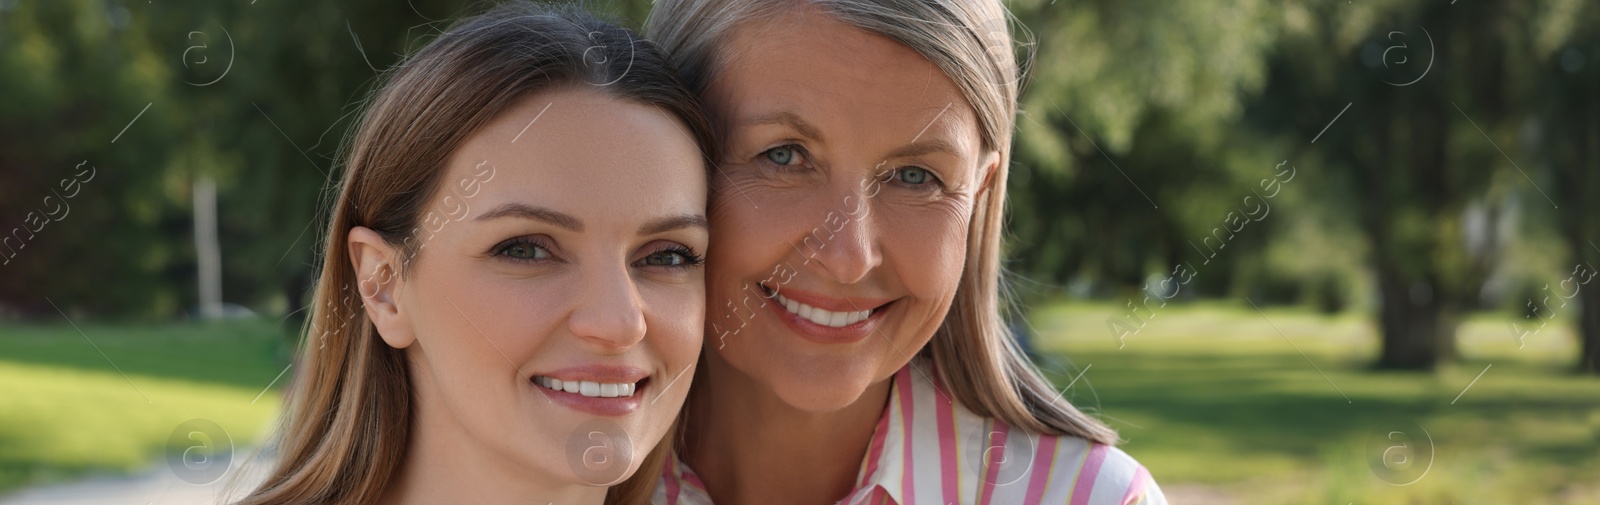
x,y
822,317
586,388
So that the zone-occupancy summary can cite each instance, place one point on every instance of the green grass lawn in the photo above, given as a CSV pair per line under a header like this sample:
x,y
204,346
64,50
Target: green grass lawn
x,y
1222,408
1219,405
66,410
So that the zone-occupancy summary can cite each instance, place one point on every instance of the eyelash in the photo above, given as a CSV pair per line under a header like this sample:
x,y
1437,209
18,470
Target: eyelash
x,y
797,148
691,260
501,249
888,176
937,183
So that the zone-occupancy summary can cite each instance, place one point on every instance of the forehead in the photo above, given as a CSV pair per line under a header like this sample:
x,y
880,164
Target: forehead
x,y
838,76
573,149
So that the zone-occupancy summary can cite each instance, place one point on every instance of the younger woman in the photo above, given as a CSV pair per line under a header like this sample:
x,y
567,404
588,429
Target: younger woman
x,y
511,296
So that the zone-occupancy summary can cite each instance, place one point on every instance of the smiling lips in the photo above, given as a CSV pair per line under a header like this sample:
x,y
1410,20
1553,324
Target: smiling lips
x,y
827,320
823,317
599,390
587,388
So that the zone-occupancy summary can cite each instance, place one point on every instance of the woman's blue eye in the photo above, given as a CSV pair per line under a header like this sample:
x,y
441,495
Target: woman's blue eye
x,y
782,155
913,175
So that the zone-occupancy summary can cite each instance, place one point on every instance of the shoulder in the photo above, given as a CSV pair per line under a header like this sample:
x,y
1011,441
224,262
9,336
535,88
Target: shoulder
x,y
1100,474
1065,469
982,459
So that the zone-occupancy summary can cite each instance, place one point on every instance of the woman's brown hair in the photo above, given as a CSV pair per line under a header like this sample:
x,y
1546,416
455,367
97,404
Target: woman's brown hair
x,y
345,433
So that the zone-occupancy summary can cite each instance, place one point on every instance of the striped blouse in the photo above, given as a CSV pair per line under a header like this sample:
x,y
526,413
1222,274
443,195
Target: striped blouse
x,y
927,450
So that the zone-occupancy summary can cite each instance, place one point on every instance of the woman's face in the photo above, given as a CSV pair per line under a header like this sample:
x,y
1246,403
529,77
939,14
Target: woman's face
x,y
844,195
554,321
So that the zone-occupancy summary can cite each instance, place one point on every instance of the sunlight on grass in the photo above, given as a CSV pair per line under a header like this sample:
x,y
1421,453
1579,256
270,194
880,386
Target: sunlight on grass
x,y
68,410
1214,397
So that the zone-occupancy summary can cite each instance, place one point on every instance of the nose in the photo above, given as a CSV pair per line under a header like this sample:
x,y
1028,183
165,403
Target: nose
x,y
609,312
845,243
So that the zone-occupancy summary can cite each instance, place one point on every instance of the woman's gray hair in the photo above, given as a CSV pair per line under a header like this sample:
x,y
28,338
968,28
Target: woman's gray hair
x,y
971,42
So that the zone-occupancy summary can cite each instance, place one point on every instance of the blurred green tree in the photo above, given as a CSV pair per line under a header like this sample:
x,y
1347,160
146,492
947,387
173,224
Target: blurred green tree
x,y
257,96
1563,100
1122,160
85,203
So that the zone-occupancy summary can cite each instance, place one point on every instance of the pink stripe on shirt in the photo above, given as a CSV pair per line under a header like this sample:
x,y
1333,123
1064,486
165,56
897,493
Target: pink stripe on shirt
x,y
908,485
1088,474
874,450
950,468
670,479
1136,486
993,455
1044,464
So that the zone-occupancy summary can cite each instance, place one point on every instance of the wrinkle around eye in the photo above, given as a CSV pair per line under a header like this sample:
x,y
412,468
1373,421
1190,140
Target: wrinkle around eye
x,y
957,210
753,176
956,204
743,185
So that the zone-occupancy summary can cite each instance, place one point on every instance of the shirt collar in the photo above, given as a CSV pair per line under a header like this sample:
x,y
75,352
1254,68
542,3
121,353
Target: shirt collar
x,y
887,465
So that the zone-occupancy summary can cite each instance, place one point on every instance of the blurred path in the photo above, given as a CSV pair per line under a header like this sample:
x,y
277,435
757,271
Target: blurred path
x,y
157,486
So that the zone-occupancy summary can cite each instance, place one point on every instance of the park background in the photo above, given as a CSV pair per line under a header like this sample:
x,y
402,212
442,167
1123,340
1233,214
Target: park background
x,y
1412,320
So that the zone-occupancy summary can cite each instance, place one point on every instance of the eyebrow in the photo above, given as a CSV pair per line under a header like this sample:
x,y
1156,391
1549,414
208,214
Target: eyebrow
x,y
919,148
536,213
791,120
928,146
525,211
671,223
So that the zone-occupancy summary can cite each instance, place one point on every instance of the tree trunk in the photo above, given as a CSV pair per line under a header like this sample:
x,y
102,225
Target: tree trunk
x,y
208,251
1409,311
1582,224
1589,332
1411,321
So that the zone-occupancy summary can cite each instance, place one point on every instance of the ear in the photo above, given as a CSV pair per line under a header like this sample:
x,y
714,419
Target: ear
x,y
990,164
376,264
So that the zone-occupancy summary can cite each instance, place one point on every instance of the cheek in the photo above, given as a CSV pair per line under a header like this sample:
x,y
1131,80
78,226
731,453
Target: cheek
x,y
476,325
927,253
751,233
675,318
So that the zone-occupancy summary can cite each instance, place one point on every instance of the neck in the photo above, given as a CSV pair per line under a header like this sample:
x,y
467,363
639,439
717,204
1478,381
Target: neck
x,y
444,464
747,444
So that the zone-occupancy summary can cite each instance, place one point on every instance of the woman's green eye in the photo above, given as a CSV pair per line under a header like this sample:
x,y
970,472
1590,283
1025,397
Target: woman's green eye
x,y
913,175
782,155
525,252
677,257
665,259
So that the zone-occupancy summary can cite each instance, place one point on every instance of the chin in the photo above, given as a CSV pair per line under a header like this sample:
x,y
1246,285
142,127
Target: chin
x,y
823,384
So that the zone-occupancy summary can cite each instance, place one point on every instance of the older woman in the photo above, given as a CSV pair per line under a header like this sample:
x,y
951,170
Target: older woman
x,y
854,346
